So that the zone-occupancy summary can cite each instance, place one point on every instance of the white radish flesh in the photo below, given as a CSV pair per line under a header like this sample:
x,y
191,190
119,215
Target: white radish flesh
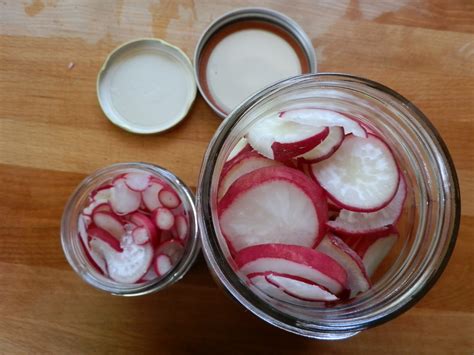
x,y
150,196
280,139
162,264
173,249
169,198
110,223
374,250
273,205
361,175
327,147
324,118
141,235
163,218
181,227
123,200
138,181
359,223
241,146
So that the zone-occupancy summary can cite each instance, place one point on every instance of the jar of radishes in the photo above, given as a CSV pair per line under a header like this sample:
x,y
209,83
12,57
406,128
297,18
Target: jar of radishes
x,y
130,229
327,204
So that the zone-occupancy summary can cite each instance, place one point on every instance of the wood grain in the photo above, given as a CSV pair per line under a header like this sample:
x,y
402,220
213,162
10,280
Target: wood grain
x,y
53,134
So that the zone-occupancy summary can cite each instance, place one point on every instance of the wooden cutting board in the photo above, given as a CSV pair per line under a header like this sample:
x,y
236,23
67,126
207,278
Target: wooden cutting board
x,y
53,134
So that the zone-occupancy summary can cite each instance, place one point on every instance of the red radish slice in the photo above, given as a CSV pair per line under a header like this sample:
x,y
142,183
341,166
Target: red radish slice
x,y
293,260
333,206
281,140
357,278
324,118
83,223
94,259
162,264
98,233
123,200
163,218
96,205
241,147
150,196
241,165
102,193
302,289
173,249
110,223
273,205
358,223
142,220
141,235
128,266
327,147
138,181
169,198
361,175
181,227
373,250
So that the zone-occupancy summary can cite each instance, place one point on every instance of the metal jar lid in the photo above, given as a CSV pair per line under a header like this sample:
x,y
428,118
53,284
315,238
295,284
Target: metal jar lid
x,y
279,21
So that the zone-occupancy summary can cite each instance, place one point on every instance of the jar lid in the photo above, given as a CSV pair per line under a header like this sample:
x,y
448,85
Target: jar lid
x,y
246,50
146,86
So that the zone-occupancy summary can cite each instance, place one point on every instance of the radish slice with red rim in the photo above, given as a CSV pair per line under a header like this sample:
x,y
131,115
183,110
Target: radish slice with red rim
x,y
95,232
293,260
169,198
324,118
361,175
150,274
110,223
181,223
357,278
102,193
282,140
138,181
327,147
162,264
241,165
378,222
173,249
140,235
273,205
142,220
150,196
124,200
163,218
127,266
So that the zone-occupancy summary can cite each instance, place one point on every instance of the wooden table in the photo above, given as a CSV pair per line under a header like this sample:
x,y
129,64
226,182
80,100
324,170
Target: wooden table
x,y
53,134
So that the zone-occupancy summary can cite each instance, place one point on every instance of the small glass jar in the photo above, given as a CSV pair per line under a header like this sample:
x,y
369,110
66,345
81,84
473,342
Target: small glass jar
x,y
428,227
75,253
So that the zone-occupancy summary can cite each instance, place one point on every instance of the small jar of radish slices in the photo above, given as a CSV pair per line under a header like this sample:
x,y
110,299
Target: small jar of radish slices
x,y
130,229
327,204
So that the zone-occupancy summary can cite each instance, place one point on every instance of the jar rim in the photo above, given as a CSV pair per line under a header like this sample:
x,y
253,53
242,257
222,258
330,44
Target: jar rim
x,y
217,262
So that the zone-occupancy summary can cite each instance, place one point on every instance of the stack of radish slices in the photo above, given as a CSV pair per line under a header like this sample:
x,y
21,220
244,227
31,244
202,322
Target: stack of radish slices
x,y
134,228
307,203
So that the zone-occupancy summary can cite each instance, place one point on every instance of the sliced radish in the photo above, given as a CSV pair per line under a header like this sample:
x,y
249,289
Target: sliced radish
x,y
361,175
273,205
100,204
95,232
144,221
124,200
324,118
162,264
110,223
138,181
293,260
128,266
378,222
150,196
241,165
281,140
163,218
357,278
141,235
373,250
300,288
96,260
169,198
327,147
150,274
173,249
102,193
83,223
181,224
241,146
